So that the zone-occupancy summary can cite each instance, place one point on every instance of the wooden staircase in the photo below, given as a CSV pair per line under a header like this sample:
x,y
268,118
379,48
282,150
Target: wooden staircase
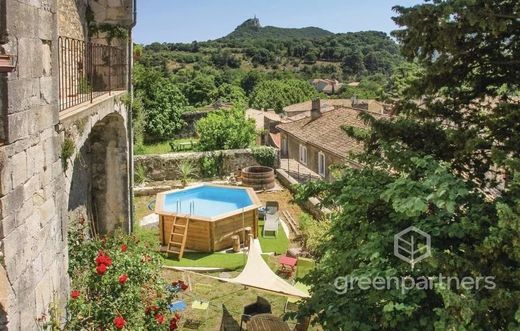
x,y
178,236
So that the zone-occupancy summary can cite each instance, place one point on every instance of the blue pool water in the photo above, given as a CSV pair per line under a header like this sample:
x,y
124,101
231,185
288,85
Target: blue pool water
x,y
208,201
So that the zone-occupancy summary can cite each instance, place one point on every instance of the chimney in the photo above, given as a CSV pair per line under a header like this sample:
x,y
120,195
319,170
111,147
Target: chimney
x,y
316,109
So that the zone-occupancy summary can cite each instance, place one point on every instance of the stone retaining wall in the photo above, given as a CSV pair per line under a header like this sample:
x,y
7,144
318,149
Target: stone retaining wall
x,y
165,166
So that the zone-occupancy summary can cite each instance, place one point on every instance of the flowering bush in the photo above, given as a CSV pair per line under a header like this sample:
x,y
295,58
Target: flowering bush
x,y
116,285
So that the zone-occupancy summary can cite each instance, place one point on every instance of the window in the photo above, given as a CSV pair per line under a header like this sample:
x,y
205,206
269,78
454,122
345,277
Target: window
x,y
321,164
284,146
303,154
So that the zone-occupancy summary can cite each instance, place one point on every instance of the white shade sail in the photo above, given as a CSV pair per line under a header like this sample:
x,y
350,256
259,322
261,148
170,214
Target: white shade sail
x,y
257,274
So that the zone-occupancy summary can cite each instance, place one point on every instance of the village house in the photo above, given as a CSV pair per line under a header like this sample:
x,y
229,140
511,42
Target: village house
x,y
64,142
327,86
319,141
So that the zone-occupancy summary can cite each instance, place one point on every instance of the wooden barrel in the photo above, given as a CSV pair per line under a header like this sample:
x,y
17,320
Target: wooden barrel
x,y
258,177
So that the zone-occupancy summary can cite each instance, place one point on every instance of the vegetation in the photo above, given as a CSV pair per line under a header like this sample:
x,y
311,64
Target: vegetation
x,y
116,284
186,171
264,155
211,164
459,183
208,260
140,174
67,150
314,233
276,94
225,129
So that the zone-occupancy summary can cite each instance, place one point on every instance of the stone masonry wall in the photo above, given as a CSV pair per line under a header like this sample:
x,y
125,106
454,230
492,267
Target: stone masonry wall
x,y
34,185
165,166
32,237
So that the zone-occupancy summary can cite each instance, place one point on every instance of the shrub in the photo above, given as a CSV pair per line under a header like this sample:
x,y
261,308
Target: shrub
x,y
140,174
225,129
116,284
264,155
186,171
211,165
314,233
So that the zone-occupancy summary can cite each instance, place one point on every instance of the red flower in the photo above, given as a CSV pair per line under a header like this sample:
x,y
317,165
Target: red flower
x,y
159,318
123,248
123,278
119,322
103,258
101,269
74,294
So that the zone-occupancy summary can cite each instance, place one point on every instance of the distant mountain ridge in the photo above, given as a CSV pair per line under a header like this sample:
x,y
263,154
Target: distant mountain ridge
x,y
252,28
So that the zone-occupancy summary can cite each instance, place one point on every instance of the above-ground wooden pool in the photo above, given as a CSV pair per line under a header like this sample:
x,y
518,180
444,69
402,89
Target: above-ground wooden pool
x,y
215,213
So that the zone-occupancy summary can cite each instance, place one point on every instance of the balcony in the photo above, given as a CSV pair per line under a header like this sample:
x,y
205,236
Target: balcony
x,y
88,71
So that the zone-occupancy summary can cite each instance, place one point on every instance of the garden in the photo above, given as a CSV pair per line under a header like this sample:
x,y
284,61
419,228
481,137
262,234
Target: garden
x,y
226,301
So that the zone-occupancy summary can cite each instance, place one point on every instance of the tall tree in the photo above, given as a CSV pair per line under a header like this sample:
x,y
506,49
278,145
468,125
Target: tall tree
x,y
449,165
225,129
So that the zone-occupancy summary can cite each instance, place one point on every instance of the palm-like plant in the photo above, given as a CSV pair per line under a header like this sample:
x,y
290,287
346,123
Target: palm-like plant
x,y
186,171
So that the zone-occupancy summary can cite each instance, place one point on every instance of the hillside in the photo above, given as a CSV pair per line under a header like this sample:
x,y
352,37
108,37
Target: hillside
x,y
252,28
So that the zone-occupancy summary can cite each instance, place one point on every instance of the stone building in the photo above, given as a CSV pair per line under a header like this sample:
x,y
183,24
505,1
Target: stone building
x,y
64,141
318,141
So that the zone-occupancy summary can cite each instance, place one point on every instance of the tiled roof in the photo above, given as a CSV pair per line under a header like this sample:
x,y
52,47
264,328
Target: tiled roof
x,y
326,104
326,133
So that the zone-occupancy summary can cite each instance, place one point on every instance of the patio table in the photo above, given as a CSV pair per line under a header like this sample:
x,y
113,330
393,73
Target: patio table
x,y
267,322
288,263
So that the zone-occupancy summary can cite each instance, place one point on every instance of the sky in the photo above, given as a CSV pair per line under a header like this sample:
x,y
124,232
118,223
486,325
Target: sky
x,y
188,20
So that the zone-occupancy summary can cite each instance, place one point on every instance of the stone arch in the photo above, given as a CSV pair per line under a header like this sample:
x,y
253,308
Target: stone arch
x,y
99,187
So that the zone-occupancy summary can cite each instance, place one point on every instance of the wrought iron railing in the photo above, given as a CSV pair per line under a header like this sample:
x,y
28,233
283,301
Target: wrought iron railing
x,y
88,70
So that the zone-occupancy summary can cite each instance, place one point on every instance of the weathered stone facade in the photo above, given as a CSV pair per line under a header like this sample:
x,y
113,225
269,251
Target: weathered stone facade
x,y
35,186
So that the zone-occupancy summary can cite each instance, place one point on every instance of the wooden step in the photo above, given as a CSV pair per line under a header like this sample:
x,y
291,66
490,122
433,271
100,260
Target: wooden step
x,y
178,235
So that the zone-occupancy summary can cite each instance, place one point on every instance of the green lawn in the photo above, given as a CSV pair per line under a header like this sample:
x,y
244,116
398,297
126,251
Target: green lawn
x,y
278,244
160,147
208,260
157,148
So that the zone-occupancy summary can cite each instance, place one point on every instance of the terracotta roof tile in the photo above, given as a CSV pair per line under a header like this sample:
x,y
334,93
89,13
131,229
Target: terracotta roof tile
x,y
326,131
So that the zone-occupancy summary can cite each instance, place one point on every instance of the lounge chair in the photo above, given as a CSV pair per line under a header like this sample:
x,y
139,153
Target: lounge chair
x,y
271,218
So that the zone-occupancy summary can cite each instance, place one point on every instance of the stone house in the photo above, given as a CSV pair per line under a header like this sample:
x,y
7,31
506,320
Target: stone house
x,y
64,142
318,141
327,86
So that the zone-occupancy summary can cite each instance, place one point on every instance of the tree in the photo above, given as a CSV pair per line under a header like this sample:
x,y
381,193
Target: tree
x,y
353,63
163,110
433,166
200,90
231,93
225,129
250,80
276,94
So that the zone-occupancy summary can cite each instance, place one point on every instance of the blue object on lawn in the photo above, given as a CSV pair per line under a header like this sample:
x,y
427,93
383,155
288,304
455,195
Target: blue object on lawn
x,y
177,306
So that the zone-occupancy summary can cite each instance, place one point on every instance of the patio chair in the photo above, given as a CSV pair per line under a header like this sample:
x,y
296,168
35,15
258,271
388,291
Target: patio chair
x,y
271,218
261,306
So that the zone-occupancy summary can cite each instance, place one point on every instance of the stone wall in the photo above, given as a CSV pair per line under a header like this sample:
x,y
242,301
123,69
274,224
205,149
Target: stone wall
x,y
165,166
33,238
35,183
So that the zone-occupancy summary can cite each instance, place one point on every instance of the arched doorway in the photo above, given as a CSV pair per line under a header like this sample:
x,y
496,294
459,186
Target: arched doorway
x,y
99,188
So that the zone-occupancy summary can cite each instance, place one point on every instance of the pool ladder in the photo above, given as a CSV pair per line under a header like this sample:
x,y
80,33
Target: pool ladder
x,y
179,231
192,207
